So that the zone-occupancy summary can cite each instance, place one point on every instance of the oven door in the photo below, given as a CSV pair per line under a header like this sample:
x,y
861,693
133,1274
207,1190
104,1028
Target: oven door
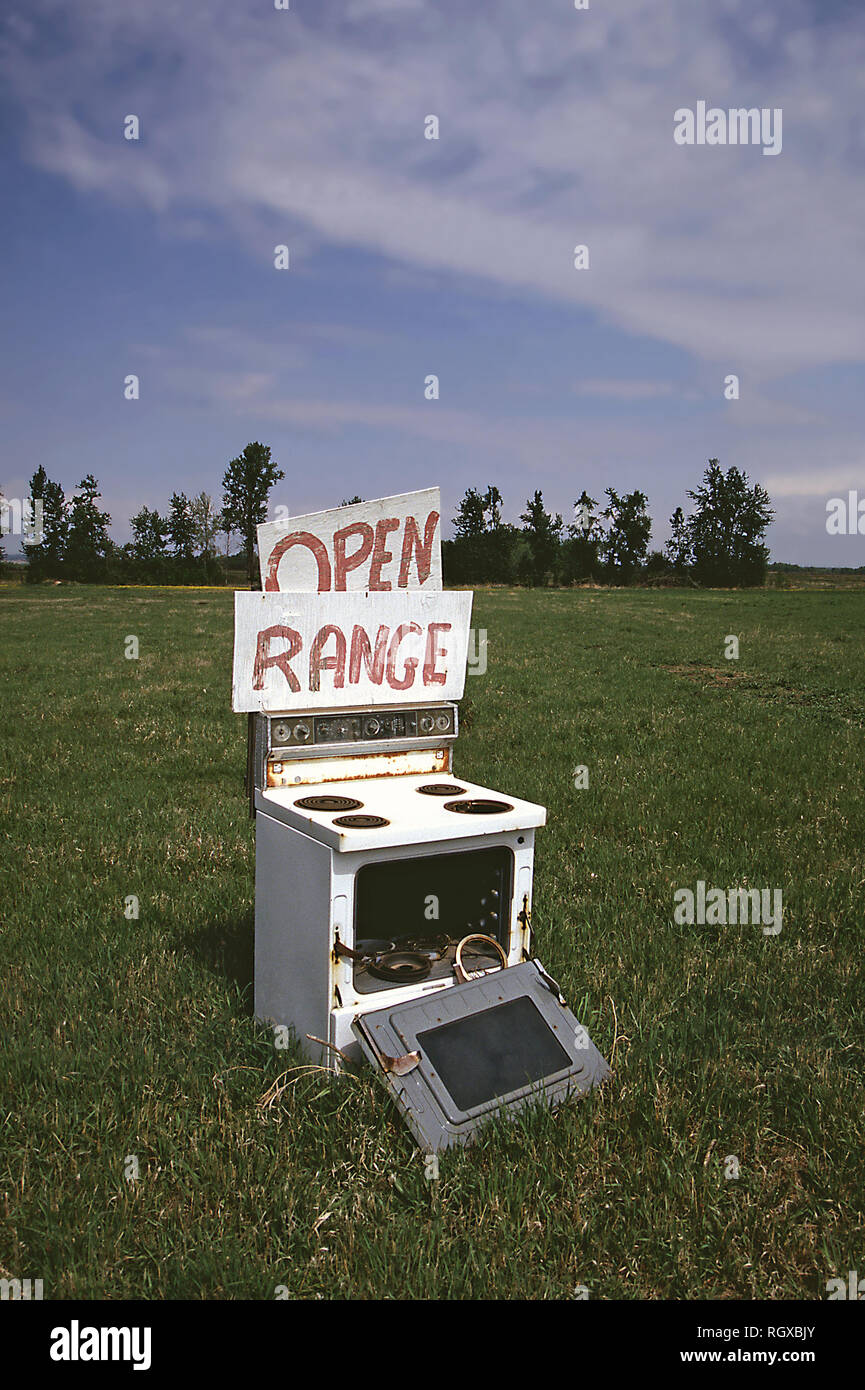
x,y
455,1059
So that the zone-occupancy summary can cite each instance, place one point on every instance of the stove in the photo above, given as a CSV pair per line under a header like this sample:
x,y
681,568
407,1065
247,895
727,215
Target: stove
x,y
373,861
392,897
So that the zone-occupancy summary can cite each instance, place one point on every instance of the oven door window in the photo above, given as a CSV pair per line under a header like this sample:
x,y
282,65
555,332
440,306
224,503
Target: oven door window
x,y
410,914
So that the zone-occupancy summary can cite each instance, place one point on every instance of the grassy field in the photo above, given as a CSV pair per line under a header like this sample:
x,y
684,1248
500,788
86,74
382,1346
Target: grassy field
x,y
135,1037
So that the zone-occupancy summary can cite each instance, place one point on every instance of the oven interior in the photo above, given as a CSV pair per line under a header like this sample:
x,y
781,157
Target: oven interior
x,y
411,913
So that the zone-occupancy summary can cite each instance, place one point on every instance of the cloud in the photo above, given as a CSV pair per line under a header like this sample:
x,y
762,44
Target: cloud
x,y
628,390
556,129
365,9
831,480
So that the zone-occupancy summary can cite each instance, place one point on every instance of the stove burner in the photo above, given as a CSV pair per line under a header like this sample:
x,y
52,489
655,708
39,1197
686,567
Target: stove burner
x,y
361,822
478,806
403,967
375,946
328,803
441,789
435,947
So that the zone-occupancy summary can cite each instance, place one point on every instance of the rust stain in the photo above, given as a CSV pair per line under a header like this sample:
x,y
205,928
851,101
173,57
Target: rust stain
x,y
356,769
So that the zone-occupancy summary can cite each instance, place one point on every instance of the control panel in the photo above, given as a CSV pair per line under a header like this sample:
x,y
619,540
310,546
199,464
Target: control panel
x,y
361,727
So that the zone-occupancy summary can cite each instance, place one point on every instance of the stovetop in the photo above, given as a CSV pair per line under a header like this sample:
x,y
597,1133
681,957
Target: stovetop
x,y
379,812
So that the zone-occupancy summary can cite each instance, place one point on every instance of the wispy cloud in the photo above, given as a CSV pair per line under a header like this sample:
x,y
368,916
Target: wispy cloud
x,y
627,390
829,480
561,124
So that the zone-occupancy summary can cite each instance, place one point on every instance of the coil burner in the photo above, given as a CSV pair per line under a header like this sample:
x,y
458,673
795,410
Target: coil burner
x,y
479,806
328,803
401,967
434,947
360,822
375,946
441,789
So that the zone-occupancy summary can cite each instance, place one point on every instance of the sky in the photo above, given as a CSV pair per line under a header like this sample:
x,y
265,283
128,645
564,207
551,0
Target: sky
x,y
410,257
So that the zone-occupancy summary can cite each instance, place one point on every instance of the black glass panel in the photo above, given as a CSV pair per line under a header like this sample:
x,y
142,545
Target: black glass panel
x,y
493,1053
451,894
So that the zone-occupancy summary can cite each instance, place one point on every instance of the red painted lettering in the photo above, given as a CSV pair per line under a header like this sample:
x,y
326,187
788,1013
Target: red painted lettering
x,y
361,651
264,659
430,675
319,663
342,563
407,678
319,550
412,543
380,556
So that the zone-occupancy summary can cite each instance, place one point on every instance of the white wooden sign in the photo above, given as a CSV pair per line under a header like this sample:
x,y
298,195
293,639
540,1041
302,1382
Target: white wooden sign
x,y
391,544
329,651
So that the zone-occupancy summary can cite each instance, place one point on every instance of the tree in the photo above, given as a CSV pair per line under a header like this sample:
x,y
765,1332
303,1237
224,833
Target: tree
x,y
246,485
470,520
543,533
149,536
725,533
656,565
45,560
205,523
88,543
350,501
580,553
627,539
227,532
485,549
493,506
678,547
181,529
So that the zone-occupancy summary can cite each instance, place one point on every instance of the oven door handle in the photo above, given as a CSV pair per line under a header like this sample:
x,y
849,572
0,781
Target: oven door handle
x,y
551,984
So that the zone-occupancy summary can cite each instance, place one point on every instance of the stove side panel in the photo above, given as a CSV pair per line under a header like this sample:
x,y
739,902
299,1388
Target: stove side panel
x,y
292,931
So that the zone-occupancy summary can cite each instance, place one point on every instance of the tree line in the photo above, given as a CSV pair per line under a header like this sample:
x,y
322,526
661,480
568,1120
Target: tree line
x,y
720,541
177,547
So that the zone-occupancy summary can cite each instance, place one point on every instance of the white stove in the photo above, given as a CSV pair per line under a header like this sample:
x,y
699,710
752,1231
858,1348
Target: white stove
x,y
373,861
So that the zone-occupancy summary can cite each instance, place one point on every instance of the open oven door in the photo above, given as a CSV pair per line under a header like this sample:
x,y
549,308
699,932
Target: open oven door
x,y
457,1057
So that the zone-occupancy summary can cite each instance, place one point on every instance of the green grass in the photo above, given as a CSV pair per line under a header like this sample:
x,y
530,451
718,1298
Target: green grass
x,y
135,1037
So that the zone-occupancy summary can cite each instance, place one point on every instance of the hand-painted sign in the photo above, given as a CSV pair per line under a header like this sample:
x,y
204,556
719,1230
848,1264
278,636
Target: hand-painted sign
x,y
329,651
384,546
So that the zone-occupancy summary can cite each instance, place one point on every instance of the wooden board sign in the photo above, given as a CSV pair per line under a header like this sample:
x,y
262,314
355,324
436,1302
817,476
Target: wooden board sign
x,y
384,546
330,651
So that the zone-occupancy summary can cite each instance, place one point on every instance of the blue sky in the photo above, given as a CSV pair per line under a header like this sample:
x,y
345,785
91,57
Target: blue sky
x,y
454,257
